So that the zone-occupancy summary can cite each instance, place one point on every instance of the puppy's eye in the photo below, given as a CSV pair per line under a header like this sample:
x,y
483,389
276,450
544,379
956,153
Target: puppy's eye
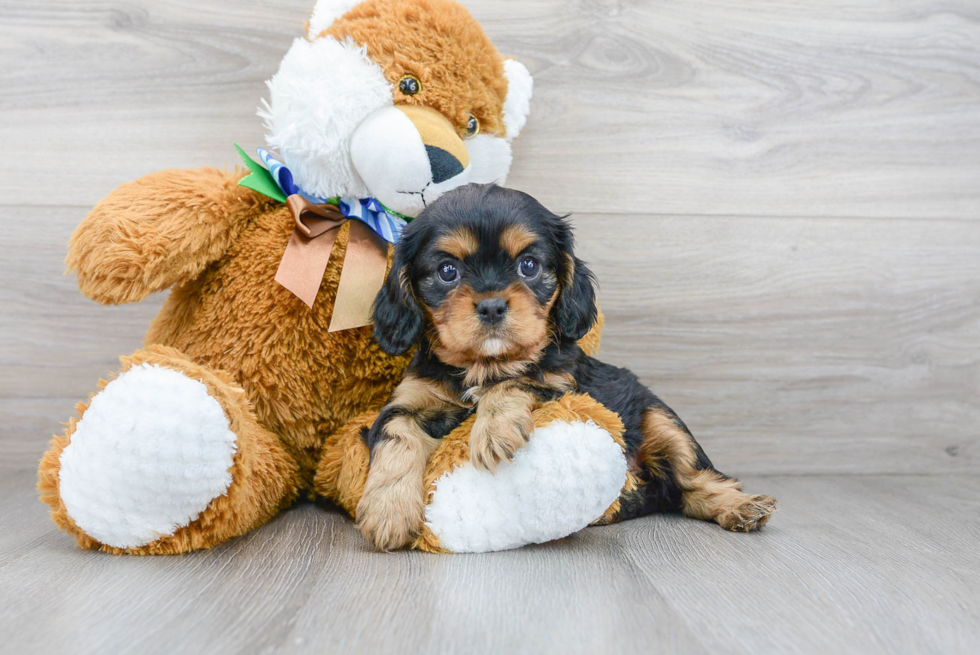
x,y
409,85
529,268
472,126
448,273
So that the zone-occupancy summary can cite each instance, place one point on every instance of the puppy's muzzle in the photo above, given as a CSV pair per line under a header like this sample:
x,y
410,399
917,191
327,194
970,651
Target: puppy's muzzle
x,y
492,311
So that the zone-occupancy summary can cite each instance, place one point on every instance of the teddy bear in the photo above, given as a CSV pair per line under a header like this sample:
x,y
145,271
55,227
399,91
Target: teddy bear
x,y
260,370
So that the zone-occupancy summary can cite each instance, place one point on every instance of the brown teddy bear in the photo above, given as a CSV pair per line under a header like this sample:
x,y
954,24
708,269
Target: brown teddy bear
x,y
262,353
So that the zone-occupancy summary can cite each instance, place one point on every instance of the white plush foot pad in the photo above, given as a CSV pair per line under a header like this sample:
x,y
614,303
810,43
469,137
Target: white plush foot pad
x,y
566,477
148,456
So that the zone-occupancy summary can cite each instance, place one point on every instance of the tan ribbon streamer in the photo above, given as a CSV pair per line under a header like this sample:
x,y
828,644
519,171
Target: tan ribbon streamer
x,y
360,278
308,253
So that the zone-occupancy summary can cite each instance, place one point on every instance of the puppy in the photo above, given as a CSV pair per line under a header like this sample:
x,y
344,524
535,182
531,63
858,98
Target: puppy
x,y
485,282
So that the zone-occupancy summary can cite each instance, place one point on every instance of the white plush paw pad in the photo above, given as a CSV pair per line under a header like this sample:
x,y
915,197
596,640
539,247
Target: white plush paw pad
x,y
566,477
147,457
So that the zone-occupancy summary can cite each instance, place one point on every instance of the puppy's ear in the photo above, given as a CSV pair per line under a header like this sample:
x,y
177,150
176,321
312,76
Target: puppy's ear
x,y
397,315
575,310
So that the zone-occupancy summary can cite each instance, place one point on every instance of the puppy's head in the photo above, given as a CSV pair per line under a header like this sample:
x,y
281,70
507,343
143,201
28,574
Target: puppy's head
x,y
488,274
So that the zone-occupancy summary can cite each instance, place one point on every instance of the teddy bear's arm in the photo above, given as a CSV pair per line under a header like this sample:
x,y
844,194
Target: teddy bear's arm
x,y
157,231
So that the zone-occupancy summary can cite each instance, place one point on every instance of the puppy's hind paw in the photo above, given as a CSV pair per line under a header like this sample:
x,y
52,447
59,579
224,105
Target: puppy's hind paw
x,y
750,514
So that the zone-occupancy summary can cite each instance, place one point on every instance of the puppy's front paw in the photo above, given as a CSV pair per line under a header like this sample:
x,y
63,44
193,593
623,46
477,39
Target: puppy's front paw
x,y
390,515
496,437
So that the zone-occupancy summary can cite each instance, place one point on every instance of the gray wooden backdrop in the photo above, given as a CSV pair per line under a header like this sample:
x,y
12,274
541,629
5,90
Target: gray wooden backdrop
x,y
780,200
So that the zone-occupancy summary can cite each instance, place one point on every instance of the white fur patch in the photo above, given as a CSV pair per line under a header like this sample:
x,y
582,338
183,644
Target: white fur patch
x,y
490,159
326,12
493,347
566,477
148,456
517,105
321,93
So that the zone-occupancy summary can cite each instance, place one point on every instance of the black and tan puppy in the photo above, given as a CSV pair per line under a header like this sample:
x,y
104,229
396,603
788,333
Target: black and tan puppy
x,y
486,283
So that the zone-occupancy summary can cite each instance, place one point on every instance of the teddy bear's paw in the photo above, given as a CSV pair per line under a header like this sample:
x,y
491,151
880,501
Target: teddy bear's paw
x,y
150,453
566,477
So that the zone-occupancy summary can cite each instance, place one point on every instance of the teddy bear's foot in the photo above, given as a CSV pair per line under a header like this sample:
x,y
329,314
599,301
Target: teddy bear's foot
x,y
166,458
566,477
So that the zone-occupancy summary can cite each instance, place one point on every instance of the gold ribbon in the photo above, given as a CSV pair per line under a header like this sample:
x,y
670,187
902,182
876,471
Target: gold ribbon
x,y
308,253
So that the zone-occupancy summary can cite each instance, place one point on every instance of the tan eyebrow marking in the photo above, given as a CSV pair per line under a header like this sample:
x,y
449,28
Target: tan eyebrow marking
x,y
460,243
515,238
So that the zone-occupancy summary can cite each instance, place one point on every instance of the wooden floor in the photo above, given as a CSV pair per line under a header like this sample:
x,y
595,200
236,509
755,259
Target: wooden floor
x,y
782,203
856,564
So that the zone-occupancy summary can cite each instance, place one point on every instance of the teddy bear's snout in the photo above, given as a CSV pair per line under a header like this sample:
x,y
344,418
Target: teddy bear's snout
x,y
408,156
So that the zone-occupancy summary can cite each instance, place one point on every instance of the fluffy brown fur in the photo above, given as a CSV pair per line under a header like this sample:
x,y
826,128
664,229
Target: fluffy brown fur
x,y
303,382
343,469
443,46
158,231
515,238
219,245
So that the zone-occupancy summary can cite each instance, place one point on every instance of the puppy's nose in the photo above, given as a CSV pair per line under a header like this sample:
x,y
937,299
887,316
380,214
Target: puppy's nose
x,y
443,164
492,310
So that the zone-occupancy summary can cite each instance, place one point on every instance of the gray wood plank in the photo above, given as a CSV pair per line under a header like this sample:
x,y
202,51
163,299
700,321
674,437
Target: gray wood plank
x,y
857,565
851,564
308,582
788,345
569,596
236,598
801,345
863,108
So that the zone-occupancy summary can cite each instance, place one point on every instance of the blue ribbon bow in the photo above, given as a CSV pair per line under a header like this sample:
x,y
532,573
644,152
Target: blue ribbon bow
x,y
386,223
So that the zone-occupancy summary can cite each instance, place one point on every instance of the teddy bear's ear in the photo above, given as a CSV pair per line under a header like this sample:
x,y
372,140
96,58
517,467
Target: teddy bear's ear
x,y
517,105
325,13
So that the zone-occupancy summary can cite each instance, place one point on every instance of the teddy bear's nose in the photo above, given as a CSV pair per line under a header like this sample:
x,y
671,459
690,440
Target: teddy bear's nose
x,y
444,166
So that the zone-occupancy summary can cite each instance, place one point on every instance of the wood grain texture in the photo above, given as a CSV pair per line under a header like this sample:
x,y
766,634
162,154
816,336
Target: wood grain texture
x,y
862,564
731,107
801,345
780,201
786,346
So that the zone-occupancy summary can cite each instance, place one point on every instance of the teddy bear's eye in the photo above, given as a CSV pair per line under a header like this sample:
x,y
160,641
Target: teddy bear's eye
x,y
472,126
409,85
